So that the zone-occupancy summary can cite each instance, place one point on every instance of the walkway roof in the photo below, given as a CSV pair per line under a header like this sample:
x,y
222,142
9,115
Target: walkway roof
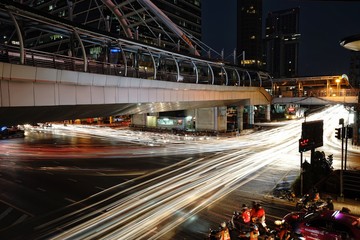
x,y
351,43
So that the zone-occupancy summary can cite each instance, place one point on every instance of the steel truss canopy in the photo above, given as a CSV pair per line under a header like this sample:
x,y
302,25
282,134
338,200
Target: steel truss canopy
x,y
85,36
134,19
351,43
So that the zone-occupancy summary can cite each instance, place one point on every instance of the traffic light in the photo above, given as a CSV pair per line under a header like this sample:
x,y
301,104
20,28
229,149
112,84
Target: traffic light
x,y
304,145
338,133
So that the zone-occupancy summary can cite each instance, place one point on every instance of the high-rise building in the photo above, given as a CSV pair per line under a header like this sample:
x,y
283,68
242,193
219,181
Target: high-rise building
x,y
249,33
184,13
282,42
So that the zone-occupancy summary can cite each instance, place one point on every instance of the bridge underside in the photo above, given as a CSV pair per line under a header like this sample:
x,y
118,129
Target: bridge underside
x,y
23,115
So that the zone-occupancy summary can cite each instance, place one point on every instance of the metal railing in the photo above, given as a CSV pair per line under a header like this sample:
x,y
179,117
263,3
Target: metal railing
x,y
205,74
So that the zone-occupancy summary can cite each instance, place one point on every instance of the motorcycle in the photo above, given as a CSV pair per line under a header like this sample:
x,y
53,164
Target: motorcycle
x,y
305,204
213,233
233,223
284,194
317,206
282,231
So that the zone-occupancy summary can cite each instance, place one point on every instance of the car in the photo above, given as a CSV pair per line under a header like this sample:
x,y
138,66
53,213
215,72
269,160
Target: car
x,y
324,225
11,132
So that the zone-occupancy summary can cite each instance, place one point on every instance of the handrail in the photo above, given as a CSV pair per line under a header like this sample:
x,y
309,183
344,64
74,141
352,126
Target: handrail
x,y
37,58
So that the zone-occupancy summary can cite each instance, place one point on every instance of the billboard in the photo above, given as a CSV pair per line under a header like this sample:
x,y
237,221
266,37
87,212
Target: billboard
x,y
311,135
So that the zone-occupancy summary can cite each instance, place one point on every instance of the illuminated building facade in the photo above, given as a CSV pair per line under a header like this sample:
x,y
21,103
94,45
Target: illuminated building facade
x,y
249,33
282,42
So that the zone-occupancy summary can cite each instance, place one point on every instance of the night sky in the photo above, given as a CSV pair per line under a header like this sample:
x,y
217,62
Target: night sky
x,y
322,25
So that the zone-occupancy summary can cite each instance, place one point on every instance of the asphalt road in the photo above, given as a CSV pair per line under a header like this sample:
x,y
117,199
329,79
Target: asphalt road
x,y
74,182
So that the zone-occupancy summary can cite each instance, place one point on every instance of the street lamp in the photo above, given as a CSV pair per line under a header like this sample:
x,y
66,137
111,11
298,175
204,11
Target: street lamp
x,y
338,86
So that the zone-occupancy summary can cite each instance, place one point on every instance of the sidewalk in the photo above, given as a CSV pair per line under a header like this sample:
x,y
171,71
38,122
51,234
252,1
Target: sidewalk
x,y
353,205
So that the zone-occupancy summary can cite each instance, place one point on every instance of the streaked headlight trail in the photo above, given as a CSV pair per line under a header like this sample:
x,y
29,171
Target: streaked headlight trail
x,y
156,206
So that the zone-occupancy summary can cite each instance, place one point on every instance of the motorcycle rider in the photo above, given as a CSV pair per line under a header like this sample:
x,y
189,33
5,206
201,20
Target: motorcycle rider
x,y
241,220
253,234
284,231
253,210
317,197
260,215
329,203
245,214
224,233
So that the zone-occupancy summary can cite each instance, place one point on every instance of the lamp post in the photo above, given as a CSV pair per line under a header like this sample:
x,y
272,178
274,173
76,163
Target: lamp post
x,y
338,86
341,197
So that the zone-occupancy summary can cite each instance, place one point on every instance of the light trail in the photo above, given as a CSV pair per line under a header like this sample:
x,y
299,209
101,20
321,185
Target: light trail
x,y
149,210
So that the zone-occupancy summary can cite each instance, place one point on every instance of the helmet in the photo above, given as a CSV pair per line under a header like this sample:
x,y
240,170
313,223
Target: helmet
x,y
254,227
223,224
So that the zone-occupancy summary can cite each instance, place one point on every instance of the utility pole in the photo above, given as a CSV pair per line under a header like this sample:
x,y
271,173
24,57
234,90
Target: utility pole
x,y
346,144
301,175
341,122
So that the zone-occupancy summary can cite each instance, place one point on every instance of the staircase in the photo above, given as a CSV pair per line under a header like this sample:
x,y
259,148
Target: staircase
x,y
351,184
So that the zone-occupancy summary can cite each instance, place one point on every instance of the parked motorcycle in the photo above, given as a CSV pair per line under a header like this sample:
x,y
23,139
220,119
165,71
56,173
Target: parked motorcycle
x,y
284,194
303,202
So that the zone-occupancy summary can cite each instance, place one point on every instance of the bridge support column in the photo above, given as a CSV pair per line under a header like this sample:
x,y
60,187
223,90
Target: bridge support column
x,y
251,116
268,113
138,120
211,119
240,117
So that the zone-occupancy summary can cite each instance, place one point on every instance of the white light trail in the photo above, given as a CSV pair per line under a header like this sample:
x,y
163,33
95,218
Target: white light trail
x,y
151,212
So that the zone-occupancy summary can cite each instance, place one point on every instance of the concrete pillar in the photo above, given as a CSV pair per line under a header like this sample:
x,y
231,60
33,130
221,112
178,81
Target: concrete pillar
x,y
222,119
251,115
240,117
139,120
211,119
268,113
215,116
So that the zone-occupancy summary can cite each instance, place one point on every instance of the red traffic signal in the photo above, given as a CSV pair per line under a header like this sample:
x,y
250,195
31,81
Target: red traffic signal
x,y
304,145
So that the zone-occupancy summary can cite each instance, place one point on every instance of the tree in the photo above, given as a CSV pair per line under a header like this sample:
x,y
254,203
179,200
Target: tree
x,y
320,168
